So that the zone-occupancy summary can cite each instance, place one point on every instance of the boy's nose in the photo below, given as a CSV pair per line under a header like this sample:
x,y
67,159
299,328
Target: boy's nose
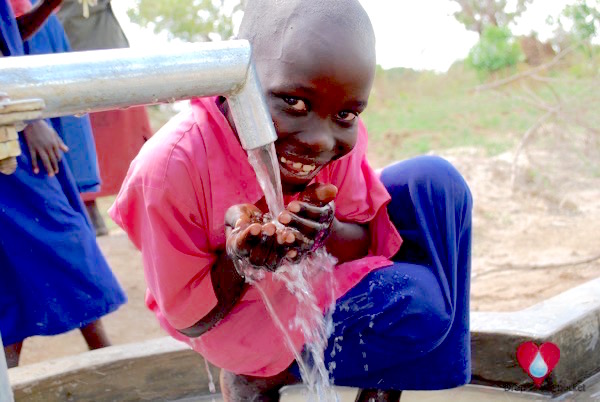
x,y
319,139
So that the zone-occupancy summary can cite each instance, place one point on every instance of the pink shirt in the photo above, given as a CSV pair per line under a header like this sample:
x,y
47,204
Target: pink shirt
x,y
172,205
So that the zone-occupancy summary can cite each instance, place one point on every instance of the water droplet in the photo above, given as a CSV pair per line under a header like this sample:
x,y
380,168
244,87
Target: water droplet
x,y
538,367
366,367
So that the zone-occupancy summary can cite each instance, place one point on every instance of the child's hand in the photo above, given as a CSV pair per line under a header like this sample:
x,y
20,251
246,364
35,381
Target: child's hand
x,y
261,243
44,143
312,215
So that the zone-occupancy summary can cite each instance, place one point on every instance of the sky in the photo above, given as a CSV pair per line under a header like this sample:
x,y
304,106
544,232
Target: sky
x,y
418,34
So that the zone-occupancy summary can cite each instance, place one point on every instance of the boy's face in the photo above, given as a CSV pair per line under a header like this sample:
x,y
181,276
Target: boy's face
x,y
315,90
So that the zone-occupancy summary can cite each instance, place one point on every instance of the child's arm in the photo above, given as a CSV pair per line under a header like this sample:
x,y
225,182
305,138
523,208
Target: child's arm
x,y
348,241
31,21
229,286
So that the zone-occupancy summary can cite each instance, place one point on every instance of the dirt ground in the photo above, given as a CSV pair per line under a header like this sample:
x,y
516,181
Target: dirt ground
x,y
531,238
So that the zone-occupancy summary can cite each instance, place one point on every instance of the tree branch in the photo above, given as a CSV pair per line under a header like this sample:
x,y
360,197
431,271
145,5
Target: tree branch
x,y
531,267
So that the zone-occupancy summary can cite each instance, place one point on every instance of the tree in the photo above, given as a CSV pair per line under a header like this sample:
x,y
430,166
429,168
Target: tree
x,y
189,20
584,15
496,50
476,15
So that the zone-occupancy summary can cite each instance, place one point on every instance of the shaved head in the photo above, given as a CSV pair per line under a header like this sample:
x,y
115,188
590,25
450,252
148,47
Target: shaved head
x,y
315,60
271,25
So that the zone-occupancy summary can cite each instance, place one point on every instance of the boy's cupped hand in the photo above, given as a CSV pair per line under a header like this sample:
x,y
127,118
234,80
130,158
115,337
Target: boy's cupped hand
x,y
305,224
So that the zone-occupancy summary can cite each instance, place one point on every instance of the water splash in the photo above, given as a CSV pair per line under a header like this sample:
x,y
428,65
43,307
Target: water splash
x,y
211,382
309,319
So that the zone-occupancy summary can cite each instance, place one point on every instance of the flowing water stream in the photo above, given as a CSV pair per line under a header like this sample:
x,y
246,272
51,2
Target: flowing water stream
x,y
309,318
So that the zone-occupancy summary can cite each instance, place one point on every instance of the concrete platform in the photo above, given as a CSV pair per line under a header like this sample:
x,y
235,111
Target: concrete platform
x,y
167,370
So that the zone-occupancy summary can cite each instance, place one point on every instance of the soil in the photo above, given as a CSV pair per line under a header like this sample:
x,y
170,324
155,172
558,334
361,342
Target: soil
x,y
533,232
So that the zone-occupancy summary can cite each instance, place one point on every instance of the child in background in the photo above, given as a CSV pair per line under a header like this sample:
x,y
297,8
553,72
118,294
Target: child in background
x,y
76,132
53,276
402,239
130,127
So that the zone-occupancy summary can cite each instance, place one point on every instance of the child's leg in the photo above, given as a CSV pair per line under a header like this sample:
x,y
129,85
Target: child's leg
x,y
406,326
242,388
95,336
13,354
377,395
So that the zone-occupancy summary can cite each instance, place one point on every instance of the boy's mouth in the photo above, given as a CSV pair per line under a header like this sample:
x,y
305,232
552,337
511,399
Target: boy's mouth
x,y
298,168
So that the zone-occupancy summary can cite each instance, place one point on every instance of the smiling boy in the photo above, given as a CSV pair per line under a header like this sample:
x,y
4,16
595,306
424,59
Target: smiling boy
x,y
401,320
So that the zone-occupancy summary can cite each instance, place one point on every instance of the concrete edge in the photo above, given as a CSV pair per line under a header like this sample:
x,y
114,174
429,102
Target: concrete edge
x,y
158,369
571,320
164,368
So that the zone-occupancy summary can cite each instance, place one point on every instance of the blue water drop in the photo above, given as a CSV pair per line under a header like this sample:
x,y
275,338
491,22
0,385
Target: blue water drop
x,y
538,367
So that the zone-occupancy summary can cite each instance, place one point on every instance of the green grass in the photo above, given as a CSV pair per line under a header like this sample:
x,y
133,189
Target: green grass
x,y
412,112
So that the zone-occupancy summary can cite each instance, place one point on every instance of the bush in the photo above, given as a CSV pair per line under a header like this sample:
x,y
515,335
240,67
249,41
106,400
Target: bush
x,y
496,50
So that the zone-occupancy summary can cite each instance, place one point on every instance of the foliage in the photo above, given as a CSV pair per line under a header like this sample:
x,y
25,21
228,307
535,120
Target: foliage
x,y
496,50
476,15
189,20
585,17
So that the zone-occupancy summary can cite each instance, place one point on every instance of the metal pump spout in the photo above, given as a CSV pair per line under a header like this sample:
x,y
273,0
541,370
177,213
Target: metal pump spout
x,y
82,82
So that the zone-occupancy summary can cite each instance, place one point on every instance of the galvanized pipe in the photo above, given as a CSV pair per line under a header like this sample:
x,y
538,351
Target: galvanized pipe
x,y
83,82
247,106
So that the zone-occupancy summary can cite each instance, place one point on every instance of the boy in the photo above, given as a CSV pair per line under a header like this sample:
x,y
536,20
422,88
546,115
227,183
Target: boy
x,y
401,320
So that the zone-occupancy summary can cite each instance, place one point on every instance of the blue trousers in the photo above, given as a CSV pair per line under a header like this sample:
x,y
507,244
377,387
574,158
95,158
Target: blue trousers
x,y
406,326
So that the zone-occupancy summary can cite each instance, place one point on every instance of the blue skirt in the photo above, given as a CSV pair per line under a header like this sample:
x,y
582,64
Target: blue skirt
x,y
53,276
406,326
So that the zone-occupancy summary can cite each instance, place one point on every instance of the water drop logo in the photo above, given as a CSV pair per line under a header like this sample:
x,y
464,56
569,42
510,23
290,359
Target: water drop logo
x,y
538,362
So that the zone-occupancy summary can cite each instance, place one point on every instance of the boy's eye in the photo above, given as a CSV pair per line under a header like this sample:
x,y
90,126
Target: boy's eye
x,y
297,104
346,116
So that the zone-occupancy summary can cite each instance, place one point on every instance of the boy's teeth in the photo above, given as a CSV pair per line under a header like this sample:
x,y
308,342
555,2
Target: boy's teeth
x,y
303,169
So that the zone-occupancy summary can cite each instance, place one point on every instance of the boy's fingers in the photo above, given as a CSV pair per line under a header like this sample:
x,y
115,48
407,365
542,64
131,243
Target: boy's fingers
x,y
310,211
306,227
249,235
243,213
319,194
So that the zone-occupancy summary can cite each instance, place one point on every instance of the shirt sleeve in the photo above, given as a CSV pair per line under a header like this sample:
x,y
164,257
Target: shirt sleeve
x,y
161,210
362,198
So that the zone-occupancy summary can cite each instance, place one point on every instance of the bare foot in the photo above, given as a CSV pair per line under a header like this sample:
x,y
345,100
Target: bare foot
x,y
377,395
243,388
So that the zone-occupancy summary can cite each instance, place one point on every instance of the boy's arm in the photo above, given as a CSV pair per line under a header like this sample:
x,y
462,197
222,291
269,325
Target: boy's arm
x,y
348,241
32,20
229,286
